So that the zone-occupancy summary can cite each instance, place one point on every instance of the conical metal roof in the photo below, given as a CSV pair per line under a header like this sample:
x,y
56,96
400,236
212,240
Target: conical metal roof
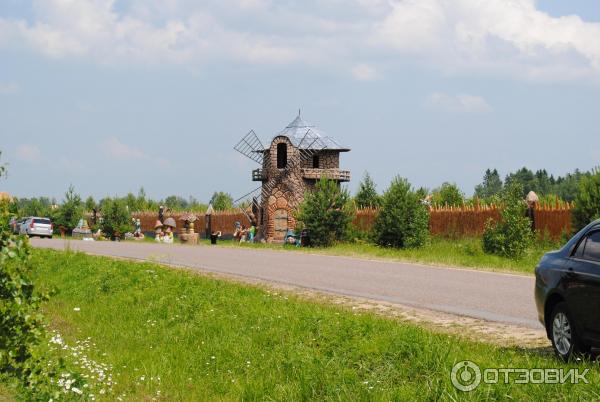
x,y
306,135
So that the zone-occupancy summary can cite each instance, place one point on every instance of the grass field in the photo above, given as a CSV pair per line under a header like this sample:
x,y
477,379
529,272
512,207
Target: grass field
x,y
174,335
457,253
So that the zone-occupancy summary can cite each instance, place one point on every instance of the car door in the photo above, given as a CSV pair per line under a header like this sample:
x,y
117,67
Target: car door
x,y
583,277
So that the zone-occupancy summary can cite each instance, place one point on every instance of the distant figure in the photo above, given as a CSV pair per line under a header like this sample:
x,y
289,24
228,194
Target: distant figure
x,y
251,233
161,214
168,236
532,200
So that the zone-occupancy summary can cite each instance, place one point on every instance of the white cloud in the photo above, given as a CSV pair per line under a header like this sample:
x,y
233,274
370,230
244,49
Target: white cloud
x,y
29,153
497,37
117,150
493,36
364,72
9,88
461,103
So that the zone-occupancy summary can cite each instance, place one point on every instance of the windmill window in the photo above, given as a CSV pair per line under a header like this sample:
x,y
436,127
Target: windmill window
x,y
281,155
315,163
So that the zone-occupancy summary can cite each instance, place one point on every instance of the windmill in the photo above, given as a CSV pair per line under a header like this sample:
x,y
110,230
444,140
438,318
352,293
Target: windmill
x,y
251,147
289,166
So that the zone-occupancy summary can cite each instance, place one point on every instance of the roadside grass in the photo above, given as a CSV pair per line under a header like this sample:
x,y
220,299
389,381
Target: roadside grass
x,y
464,252
176,335
6,394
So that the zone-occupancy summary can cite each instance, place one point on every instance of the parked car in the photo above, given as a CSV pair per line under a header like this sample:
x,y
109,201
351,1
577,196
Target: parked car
x,y
15,224
36,226
567,293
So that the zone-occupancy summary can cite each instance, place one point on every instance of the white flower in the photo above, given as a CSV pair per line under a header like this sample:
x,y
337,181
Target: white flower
x,y
76,309
77,390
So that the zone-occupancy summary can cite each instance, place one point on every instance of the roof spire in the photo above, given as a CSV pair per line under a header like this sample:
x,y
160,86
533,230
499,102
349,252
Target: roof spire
x,y
298,112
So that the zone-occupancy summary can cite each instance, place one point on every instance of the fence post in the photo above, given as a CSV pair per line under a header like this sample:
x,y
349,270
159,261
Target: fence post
x,y
208,220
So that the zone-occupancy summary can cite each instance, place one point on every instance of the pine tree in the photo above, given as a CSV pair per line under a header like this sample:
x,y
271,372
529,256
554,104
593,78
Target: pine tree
x,y
326,212
367,196
491,186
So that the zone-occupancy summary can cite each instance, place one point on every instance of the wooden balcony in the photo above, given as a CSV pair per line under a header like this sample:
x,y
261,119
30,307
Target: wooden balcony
x,y
333,174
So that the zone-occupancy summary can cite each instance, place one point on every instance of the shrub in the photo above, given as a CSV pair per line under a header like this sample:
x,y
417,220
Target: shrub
x,y
70,212
367,196
511,236
326,212
402,220
116,219
587,201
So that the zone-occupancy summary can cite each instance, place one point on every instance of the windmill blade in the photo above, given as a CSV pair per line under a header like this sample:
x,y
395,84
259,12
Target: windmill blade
x,y
245,196
251,147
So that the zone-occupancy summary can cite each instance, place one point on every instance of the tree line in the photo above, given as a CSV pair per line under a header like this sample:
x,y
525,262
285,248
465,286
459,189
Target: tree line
x,y
545,185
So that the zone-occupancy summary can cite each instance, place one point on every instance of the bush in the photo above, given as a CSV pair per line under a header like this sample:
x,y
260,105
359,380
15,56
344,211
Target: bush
x,y
70,212
587,201
116,219
512,235
326,212
20,321
402,220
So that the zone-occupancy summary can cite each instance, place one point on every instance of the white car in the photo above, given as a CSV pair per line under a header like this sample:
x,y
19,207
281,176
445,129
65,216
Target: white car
x,y
36,226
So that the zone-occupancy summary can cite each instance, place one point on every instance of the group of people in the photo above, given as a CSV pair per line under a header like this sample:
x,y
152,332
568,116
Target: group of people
x,y
244,234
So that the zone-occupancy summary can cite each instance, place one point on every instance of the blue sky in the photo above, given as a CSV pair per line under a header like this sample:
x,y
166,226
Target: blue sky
x,y
111,96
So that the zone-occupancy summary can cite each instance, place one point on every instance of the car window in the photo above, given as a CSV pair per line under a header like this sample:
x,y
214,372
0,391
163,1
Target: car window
x,y
579,251
43,221
592,247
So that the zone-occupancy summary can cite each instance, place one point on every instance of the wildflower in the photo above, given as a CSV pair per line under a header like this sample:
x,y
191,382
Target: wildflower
x,y
76,309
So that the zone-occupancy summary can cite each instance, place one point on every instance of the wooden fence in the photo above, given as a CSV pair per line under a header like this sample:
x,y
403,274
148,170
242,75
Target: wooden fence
x,y
469,221
465,221
223,221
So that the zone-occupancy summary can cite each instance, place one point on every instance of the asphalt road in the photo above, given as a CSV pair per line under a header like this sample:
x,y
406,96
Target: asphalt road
x,y
485,295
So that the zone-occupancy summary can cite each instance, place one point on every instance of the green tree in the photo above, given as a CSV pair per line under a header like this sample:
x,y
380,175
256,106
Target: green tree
x,y
90,203
367,196
524,177
326,212
448,194
511,236
491,185
71,210
587,202
116,218
176,203
221,201
567,187
402,220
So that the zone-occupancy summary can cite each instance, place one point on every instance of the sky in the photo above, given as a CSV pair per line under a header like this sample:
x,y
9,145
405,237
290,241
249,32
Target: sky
x,y
114,95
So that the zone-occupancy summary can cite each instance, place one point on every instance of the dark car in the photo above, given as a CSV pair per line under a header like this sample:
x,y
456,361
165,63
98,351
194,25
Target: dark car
x,y
567,293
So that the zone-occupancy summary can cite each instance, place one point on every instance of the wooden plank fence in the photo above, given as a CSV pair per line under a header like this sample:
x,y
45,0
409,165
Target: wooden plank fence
x,y
551,220
223,221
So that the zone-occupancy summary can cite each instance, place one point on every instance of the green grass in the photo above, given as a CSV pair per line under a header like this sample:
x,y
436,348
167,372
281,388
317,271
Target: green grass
x,y
448,252
210,339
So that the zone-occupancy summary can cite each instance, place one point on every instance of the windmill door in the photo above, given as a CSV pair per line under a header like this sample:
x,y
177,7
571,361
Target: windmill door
x,y
281,223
